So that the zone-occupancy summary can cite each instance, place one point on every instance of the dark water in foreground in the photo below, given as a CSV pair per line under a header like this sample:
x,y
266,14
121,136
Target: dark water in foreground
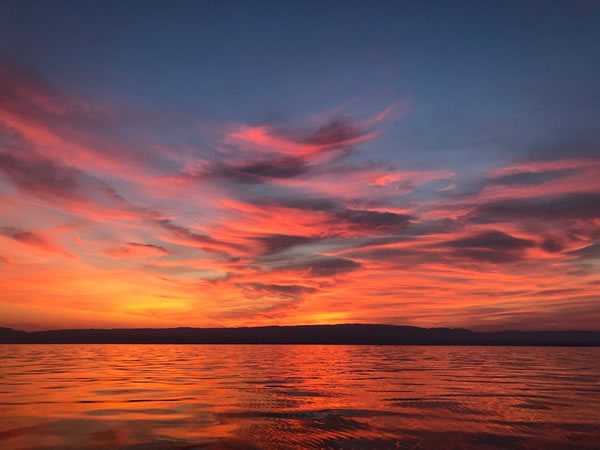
x,y
222,396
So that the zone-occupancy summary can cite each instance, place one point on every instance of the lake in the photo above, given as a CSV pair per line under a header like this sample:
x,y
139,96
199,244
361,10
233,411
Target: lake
x,y
289,396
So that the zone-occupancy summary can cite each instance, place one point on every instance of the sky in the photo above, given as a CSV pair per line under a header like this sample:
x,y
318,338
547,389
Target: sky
x,y
429,163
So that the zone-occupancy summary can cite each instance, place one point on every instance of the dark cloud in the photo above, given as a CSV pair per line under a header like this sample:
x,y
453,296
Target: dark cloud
x,y
320,204
450,252
490,240
41,176
589,252
287,291
85,133
490,246
13,141
583,206
553,245
187,237
337,133
491,256
184,233
356,243
259,171
275,168
530,178
24,93
275,243
427,227
21,235
394,255
555,292
324,266
150,246
54,182
137,250
50,180
356,219
374,221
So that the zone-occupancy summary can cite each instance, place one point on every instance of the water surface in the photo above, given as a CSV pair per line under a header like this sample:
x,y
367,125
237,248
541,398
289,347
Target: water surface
x,y
310,396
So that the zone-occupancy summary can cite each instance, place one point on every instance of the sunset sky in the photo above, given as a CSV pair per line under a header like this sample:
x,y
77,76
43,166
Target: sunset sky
x,y
279,163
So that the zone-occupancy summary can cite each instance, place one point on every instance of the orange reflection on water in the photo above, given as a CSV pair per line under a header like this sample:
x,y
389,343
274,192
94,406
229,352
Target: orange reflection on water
x,y
169,396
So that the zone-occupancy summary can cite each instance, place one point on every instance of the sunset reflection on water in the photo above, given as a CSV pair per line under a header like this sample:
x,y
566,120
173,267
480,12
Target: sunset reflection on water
x,y
223,396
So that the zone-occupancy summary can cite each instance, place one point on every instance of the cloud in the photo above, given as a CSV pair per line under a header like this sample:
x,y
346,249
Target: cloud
x,y
395,257
181,235
323,266
578,206
276,155
135,250
257,171
529,178
275,243
548,167
96,137
34,239
337,219
553,245
293,291
490,246
373,221
67,188
41,177
268,224
490,240
339,134
591,251
54,123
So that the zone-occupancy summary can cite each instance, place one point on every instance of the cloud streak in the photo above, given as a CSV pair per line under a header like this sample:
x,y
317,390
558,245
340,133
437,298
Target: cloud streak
x,y
135,250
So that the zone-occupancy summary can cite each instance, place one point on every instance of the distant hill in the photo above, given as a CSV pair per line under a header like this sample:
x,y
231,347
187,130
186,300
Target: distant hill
x,y
9,335
303,334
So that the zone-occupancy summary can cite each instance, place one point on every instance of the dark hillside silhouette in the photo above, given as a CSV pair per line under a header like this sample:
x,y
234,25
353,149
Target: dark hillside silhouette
x,y
303,334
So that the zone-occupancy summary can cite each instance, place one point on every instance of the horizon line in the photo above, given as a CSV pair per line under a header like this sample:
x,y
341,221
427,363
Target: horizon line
x,y
305,325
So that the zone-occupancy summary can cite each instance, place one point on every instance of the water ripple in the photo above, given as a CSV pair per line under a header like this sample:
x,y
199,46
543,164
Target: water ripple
x,y
232,396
